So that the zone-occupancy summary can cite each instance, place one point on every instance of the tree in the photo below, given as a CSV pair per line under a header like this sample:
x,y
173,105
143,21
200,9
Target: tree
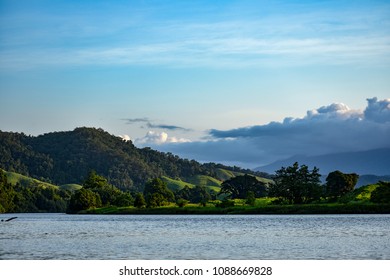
x,y
157,193
184,193
108,194
197,194
238,187
296,184
382,193
83,199
250,199
339,183
123,199
95,181
155,200
181,202
139,201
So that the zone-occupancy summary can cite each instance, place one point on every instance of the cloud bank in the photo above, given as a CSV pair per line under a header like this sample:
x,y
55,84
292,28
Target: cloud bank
x,y
328,129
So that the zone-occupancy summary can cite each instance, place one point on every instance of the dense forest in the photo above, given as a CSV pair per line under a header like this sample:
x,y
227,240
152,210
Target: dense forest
x,y
68,157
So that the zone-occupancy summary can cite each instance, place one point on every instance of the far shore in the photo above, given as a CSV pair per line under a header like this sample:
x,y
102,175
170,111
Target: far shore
x,y
335,208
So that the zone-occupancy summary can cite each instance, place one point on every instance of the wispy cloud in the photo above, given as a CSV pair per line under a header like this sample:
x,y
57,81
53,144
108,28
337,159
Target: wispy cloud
x,y
282,38
227,52
148,124
166,126
136,120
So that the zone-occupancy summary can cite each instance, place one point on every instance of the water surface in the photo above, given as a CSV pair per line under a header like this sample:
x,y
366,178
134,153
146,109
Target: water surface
x,y
61,236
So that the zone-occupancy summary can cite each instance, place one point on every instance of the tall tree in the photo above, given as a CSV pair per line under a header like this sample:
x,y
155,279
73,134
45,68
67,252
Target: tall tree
x,y
108,194
157,193
339,183
139,200
238,187
83,199
296,184
197,194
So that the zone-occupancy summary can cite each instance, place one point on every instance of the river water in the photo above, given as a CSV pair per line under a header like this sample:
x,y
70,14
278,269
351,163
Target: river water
x,y
201,237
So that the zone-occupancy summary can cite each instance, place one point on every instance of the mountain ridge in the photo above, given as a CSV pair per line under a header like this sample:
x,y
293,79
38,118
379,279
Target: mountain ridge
x,y
66,157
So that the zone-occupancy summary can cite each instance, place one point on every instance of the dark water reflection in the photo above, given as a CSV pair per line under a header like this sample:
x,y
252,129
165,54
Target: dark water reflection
x,y
60,236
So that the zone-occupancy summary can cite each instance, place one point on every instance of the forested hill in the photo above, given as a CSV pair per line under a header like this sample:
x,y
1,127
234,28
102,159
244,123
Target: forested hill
x,y
67,157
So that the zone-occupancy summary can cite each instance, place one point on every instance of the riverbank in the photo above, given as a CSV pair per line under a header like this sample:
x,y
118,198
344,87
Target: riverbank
x,y
332,208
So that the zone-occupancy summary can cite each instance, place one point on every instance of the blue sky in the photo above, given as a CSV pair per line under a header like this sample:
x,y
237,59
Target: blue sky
x,y
190,76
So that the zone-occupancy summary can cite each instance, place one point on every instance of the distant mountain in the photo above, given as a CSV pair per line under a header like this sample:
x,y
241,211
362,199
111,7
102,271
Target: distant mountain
x,y
67,158
373,162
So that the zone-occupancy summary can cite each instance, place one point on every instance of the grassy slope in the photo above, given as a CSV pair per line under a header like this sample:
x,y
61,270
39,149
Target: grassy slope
x,y
362,194
24,181
206,181
203,180
71,187
15,178
175,185
224,174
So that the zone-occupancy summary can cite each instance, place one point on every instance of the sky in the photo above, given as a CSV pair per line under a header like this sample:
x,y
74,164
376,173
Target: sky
x,y
239,82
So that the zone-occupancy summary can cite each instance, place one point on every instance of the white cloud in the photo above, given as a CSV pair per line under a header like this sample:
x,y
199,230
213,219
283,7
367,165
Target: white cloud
x,y
125,137
378,111
334,111
158,138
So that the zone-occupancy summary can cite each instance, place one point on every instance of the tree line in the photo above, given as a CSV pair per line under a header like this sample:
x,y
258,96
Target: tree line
x,y
295,184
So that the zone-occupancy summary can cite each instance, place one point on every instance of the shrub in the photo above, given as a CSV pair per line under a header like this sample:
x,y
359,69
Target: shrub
x,y
226,203
181,202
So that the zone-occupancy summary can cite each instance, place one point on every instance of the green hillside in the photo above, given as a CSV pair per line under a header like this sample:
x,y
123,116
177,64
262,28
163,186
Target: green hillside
x,y
24,181
204,181
175,185
23,194
224,174
71,187
210,183
68,156
359,195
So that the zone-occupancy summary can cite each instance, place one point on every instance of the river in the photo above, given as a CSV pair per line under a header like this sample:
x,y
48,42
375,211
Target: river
x,y
201,237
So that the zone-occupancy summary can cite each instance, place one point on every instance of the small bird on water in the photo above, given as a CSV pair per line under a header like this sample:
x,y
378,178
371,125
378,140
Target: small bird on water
x,y
8,219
